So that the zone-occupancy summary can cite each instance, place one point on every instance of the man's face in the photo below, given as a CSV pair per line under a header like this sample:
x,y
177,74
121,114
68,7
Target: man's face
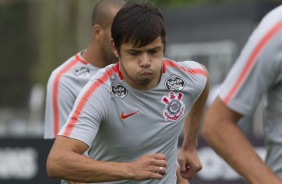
x,y
141,67
106,43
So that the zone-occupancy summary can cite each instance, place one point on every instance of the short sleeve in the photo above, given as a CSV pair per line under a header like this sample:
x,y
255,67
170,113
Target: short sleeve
x,y
254,71
87,114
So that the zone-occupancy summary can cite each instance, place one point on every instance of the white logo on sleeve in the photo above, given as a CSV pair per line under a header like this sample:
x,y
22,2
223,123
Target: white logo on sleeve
x,y
118,90
174,82
174,107
81,71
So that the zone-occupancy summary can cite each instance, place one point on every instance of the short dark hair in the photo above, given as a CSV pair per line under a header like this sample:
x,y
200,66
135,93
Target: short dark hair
x,y
139,23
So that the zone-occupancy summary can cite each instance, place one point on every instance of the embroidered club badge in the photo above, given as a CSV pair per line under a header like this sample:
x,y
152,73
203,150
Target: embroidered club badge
x,y
174,83
118,90
174,107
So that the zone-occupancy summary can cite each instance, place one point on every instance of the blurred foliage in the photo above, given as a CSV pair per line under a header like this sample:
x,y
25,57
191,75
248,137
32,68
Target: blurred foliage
x,y
17,53
186,3
64,29
179,3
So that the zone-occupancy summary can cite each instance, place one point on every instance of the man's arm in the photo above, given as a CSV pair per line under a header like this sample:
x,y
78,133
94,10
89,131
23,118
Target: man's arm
x,y
224,136
188,159
66,161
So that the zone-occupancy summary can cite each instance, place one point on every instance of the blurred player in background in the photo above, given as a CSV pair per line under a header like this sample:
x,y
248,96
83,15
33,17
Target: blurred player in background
x,y
130,114
68,79
256,73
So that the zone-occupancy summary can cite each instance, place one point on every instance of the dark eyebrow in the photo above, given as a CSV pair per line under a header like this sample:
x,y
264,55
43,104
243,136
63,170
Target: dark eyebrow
x,y
138,50
132,50
156,48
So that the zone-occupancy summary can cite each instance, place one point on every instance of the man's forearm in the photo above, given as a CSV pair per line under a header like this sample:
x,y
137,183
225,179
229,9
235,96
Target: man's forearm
x,y
66,161
235,149
190,136
222,133
79,168
193,120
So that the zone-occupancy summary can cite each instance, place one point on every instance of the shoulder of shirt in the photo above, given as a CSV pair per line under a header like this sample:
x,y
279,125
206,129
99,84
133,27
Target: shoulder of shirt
x,y
105,73
166,60
271,18
66,67
63,65
274,13
183,65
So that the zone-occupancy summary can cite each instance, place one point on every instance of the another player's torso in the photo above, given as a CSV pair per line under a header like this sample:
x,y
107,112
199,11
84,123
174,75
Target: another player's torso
x,y
257,73
64,86
272,116
262,60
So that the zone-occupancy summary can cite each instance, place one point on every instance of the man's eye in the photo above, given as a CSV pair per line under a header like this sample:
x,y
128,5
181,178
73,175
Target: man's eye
x,y
153,51
134,53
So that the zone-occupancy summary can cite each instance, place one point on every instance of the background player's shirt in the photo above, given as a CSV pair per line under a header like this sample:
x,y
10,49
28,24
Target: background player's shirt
x,y
258,72
121,124
63,87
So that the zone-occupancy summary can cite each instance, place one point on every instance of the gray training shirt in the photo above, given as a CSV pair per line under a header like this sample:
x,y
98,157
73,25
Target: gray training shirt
x,y
121,124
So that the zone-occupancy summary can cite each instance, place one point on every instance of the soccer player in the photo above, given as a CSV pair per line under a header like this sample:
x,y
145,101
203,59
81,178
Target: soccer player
x,y
130,114
67,80
256,73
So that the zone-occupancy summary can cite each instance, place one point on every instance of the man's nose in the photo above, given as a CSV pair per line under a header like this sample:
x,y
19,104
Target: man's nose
x,y
145,60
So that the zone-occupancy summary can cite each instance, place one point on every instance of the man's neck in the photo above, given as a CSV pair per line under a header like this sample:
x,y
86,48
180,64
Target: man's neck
x,y
92,55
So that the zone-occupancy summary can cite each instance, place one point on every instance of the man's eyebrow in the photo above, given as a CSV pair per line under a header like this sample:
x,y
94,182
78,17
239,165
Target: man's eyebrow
x,y
155,48
132,49
137,49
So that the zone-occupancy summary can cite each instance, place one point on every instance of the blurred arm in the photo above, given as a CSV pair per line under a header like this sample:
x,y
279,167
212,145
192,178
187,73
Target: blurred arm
x,y
225,137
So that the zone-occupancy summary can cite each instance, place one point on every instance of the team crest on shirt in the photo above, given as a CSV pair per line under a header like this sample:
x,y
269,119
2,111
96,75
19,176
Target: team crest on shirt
x,y
174,83
174,107
81,71
118,90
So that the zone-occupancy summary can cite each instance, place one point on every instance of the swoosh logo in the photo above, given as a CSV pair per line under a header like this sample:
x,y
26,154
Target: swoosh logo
x,y
124,116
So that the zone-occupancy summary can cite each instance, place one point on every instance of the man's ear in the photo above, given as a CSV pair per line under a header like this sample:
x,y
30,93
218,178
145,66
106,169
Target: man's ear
x,y
114,49
96,31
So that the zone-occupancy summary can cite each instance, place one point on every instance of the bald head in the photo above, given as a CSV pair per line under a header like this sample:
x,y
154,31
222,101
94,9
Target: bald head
x,y
104,12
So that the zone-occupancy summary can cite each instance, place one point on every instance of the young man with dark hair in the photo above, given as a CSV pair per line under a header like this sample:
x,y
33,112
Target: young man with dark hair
x,y
130,114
